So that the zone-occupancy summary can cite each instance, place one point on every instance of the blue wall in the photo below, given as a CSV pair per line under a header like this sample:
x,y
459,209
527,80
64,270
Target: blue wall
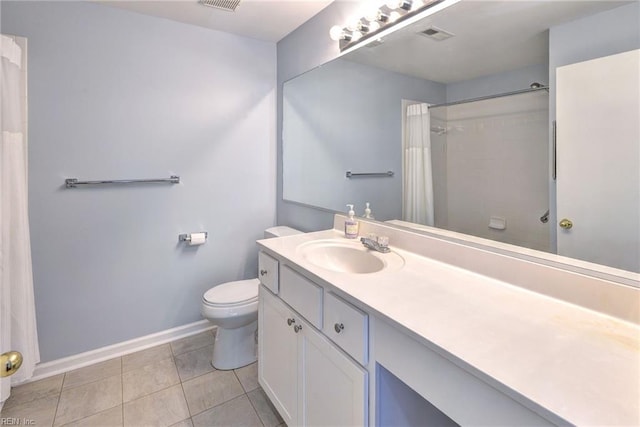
x,y
115,94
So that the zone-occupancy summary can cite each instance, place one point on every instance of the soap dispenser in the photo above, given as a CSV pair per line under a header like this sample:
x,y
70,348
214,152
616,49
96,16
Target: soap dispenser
x,y
351,224
367,211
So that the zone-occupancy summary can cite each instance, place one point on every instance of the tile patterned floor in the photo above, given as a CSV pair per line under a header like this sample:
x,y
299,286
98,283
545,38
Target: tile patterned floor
x,y
170,385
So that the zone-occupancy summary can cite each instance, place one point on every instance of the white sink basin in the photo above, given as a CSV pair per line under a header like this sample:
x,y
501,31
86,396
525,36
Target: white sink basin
x,y
344,256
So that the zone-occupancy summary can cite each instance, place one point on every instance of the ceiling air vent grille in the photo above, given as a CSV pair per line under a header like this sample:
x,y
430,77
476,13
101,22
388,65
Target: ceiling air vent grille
x,y
228,5
436,33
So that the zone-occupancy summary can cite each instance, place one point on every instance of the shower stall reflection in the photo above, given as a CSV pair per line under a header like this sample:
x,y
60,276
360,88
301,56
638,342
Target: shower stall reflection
x,y
489,168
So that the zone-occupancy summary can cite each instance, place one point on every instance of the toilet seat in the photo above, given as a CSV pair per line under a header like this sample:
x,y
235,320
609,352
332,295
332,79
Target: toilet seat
x,y
232,294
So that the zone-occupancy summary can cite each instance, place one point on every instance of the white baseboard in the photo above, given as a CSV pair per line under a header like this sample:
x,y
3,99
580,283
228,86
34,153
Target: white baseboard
x,y
59,366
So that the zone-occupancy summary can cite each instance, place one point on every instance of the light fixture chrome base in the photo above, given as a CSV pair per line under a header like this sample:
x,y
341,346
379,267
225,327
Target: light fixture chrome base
x,y
383,19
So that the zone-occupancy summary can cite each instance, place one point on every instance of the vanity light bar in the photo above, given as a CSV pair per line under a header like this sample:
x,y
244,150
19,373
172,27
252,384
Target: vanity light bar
x,y
378,21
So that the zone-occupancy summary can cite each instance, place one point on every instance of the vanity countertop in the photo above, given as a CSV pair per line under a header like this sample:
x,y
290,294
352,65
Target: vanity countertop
x,y
578,364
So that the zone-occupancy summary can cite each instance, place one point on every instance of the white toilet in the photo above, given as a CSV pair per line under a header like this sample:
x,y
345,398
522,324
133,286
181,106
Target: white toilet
x,y
233,307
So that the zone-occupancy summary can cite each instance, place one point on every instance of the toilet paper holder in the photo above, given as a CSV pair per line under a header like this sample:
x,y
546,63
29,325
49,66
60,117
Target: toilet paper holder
x,y
186,237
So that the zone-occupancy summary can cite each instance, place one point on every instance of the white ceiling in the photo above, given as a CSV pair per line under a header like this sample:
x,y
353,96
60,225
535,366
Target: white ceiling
x,y
490,37
269,20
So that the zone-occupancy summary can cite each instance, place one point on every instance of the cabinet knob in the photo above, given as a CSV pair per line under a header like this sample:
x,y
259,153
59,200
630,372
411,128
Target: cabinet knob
x,y
566,224
338,327
297,328
263,272
291,321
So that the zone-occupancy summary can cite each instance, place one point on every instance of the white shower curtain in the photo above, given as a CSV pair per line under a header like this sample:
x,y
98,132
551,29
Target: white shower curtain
x,y
417,186
17,306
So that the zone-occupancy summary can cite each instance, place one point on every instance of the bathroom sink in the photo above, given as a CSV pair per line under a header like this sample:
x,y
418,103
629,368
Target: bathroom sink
x,y
344,256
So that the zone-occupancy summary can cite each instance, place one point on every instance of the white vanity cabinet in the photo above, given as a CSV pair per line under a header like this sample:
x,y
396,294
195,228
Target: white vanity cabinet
x,y
427,342
310,381
278,354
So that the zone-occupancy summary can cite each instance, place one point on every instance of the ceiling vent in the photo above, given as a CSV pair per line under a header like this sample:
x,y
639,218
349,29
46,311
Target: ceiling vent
x,y
436,33
228,5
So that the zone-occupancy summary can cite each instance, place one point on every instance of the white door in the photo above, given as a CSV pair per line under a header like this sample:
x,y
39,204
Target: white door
x,y
598,160
278,355
334,388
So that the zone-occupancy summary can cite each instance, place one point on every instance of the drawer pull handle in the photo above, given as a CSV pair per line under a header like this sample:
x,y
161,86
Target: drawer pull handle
x,y
263,272
291,321
297,328
339,327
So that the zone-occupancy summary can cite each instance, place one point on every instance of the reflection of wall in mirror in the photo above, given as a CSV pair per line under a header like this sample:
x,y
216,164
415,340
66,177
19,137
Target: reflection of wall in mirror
x,y
347,116
570,42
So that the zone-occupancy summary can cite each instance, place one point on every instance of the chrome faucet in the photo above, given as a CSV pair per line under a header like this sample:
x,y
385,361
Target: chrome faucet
x,y
379,244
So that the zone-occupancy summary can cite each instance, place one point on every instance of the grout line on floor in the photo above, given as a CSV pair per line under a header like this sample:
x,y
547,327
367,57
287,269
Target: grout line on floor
x,y
184,395
55,413
89,382
254,408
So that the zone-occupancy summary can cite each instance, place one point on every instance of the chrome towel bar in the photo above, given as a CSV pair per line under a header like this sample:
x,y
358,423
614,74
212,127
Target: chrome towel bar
x,y
382,174
73,182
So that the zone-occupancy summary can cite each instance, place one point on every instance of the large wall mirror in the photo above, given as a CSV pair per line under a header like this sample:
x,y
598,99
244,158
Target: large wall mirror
x,y
450,121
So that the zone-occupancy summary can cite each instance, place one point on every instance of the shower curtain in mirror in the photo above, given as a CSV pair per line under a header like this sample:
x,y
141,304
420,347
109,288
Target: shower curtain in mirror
x,y
417,185
17,306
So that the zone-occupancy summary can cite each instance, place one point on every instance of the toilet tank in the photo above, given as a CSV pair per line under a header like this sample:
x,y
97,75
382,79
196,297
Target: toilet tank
x,y
280,231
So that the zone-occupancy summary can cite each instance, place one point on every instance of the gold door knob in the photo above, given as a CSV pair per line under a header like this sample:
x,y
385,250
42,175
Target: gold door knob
x,y
10,362
566,223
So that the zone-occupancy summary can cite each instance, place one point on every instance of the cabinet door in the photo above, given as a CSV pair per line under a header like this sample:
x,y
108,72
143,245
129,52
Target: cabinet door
x,y
268,271
334,388
278,355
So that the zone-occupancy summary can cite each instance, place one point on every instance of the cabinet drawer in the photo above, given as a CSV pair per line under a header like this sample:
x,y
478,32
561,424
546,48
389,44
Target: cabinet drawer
x,y
268,271
302,295
347,326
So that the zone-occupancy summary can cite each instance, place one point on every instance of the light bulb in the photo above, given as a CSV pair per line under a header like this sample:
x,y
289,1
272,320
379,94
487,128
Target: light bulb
x,y
356,35
353,23
393,16
417,4
336,33
372,14
374,26
393,4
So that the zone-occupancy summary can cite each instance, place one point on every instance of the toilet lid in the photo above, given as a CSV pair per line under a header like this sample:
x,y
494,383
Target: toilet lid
x,y
233,292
